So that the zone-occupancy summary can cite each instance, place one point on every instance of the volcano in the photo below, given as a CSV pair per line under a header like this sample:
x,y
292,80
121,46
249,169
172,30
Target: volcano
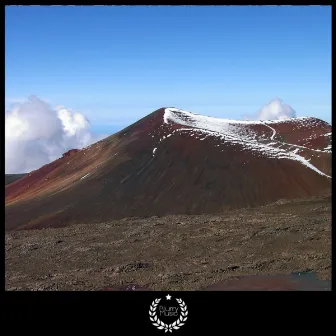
x,y
175,162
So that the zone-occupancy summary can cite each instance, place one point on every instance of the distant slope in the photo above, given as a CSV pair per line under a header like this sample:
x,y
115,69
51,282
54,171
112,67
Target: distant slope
x,y
10,178
176,162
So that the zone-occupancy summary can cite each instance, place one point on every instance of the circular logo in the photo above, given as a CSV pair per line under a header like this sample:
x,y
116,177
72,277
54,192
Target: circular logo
x,y
168,311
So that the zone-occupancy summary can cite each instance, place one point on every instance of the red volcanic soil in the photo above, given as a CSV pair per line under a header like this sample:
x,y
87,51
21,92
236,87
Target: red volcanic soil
x,y
304,281
161,166
283,282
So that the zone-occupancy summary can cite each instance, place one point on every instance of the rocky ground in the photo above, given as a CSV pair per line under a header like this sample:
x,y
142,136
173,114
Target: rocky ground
x,y
174,252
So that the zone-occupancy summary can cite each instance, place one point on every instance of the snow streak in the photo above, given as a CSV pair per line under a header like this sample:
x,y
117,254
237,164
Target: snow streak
x,y
236,132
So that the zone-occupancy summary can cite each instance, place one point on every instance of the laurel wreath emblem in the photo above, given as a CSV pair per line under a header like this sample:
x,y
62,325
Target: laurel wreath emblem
x,y
168,327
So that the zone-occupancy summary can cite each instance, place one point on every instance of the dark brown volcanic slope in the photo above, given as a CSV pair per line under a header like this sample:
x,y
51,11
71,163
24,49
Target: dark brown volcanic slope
x,y
175,162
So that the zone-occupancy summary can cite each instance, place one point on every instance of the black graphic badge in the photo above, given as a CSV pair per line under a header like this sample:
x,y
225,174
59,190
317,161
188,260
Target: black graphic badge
x,y
168,314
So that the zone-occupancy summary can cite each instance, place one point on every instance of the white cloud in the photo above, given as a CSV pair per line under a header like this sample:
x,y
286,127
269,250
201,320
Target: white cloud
x,y
36,134
275,110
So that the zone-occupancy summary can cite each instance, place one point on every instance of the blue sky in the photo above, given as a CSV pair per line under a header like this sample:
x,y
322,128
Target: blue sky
x,y
117,64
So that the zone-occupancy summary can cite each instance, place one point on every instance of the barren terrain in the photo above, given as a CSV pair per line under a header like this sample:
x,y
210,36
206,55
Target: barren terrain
x,y
180,252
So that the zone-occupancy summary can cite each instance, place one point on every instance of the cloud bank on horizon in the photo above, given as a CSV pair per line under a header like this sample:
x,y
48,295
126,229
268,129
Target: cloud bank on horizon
x,y
276,110
37,134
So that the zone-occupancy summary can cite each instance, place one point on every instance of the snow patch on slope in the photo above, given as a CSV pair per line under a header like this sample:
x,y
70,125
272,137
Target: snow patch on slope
x,y
233,131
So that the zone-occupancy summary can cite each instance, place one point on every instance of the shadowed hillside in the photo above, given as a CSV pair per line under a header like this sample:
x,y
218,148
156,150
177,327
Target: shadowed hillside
x,y
10,178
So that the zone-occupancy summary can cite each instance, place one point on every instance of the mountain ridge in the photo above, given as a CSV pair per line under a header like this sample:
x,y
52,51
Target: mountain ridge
x,y
176,162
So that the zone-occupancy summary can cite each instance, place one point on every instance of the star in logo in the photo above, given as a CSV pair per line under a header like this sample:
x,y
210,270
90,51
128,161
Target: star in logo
x,y
168,297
